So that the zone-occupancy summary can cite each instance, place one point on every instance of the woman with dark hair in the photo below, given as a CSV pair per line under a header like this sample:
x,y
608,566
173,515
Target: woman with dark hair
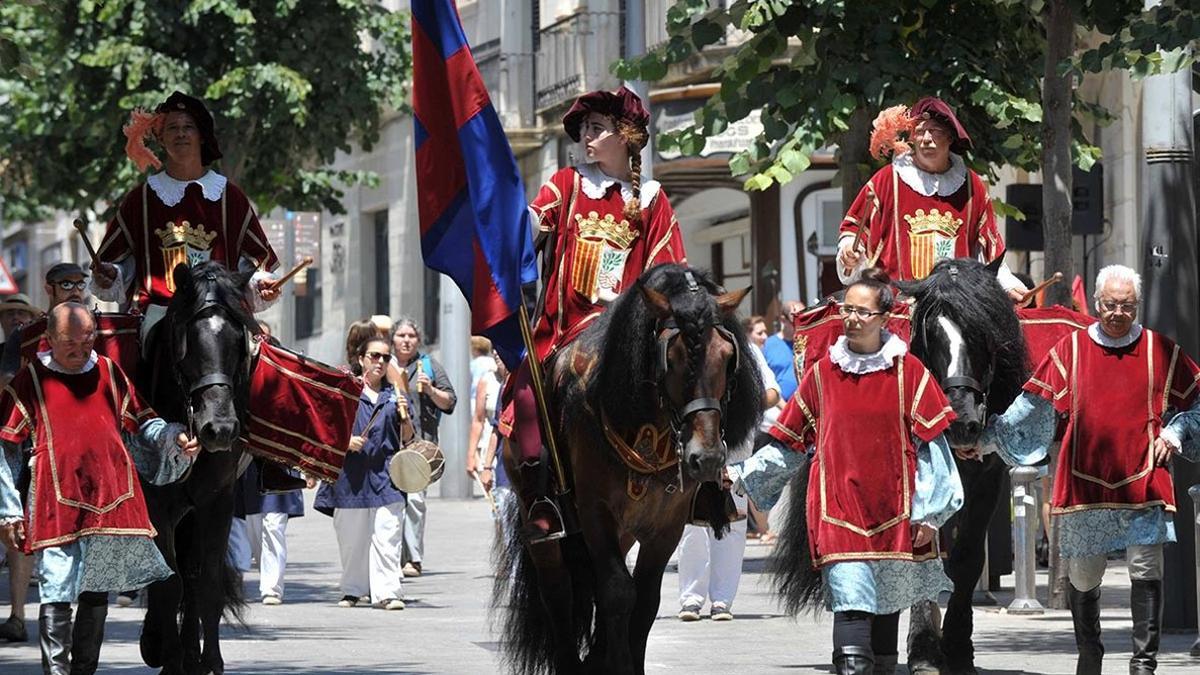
x,y
599,227
881,480
367,510
356,335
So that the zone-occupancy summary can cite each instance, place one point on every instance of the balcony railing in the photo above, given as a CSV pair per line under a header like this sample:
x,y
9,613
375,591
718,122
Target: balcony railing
x,y
574,56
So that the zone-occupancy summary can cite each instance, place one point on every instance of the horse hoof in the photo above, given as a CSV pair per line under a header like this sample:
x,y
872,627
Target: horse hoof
x,y
923,668
151,648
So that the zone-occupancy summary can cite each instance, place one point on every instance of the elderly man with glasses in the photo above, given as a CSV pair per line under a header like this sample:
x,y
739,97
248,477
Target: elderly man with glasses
x,y
1113,383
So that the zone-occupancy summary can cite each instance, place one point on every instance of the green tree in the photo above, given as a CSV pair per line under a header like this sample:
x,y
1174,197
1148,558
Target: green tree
x,y
290,83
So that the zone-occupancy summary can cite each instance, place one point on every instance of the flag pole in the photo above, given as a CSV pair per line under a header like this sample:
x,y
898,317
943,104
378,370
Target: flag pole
x,y
539,394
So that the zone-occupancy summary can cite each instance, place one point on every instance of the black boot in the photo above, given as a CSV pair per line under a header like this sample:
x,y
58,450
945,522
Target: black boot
x,y
54,630
853,660
1145,602
543,519
1085,613
885,664
88,634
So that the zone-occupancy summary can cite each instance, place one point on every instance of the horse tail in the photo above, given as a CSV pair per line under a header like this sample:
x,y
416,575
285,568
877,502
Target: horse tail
x,y
526,629
233,595
796,580
189,552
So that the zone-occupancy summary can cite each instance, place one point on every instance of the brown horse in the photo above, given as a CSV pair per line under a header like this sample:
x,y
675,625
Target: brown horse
x,y
645,401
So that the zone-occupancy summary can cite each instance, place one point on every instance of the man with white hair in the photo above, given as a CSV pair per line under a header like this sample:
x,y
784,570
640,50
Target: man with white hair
x,y
1113,383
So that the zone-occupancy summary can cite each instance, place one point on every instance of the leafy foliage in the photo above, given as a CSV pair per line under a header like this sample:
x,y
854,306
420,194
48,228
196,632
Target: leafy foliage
x,y
290,83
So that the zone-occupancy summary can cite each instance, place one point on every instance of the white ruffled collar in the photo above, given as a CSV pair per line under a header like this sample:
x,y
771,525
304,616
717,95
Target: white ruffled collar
x,y
47,360
595,184
929,184
861,364
1105,340
170,190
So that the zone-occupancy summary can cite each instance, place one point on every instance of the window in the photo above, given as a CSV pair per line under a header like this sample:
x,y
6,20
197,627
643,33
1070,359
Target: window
x,y
431,320
383,296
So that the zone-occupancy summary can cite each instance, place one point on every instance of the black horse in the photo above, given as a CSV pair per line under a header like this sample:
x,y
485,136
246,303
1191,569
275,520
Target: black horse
x,y
663,360
965,331
198,374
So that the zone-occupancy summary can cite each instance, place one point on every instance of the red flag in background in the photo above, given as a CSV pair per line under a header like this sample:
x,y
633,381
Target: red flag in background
x,y
1079,295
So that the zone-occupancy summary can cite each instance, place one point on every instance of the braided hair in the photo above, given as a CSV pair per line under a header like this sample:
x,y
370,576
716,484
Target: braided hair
x,y
635,137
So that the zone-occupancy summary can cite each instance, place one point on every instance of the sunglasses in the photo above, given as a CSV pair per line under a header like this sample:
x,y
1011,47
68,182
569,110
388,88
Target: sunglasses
x,y
378,356
71,285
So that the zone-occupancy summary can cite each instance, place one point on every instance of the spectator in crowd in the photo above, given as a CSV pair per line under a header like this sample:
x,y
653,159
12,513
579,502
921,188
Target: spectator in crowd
x,y
779,351
16,311
434,397
383,325
367,510
482,362
359,331
491,473
487,398
710,568
262,520
756,334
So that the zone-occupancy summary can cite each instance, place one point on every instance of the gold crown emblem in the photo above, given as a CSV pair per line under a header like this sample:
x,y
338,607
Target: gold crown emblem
x,y
184,233
608,228
935,221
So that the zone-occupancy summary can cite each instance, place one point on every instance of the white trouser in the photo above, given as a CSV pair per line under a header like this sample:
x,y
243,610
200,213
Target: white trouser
x,y
369,543
1145,564
267,533
239,545
414,527
710,569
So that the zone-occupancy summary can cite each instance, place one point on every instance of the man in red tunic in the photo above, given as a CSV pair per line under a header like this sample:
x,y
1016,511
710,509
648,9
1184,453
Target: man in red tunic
x,y
1114,382
924,206
598,229
86,518
186,214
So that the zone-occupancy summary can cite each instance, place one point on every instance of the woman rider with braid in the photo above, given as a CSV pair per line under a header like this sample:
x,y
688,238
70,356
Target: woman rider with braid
x,y
598,227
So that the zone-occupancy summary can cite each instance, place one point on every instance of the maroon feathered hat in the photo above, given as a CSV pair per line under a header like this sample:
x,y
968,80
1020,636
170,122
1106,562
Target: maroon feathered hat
x,y
621,104
181,102
936,108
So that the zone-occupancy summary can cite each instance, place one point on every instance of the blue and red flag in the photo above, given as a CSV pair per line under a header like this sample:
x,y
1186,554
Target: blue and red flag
x,y
475,225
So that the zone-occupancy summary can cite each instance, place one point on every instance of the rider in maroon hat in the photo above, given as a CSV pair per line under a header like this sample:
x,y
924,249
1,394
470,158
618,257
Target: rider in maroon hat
x,y
599,227
925,205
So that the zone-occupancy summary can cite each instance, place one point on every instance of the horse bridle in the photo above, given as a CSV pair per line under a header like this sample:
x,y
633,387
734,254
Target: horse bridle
x,y
667,330
212,379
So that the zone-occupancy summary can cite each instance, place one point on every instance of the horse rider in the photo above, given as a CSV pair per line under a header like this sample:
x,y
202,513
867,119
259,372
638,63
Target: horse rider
x,y
87,519
1114,382
187,214
923,206
598,228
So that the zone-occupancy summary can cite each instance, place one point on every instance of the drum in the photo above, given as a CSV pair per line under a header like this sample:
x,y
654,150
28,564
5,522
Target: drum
x,y
416,466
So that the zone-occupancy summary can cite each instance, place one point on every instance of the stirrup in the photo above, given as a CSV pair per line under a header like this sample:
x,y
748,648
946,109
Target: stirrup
x,y
536,535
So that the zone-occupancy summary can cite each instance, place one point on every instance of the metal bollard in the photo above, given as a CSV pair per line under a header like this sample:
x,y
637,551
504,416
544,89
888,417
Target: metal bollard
x,y
1194,493
1025,527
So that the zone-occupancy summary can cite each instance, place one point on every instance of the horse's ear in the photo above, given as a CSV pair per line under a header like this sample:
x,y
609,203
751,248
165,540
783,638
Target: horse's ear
x,y
182,274
659,303
728,302
994,266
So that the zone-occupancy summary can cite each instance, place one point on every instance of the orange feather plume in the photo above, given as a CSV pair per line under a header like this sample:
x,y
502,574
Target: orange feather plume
x,y
140,124
890,132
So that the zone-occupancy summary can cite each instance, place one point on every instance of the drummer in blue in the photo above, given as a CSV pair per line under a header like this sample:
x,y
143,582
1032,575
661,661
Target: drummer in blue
x,y
367,510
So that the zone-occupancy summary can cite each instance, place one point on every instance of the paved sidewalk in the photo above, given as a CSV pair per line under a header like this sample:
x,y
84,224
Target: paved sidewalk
x,y
445,628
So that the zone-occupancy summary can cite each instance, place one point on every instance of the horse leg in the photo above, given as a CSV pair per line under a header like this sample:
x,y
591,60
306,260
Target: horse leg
x,y
159,642
216,578
189,618
647,579
966,561
616,593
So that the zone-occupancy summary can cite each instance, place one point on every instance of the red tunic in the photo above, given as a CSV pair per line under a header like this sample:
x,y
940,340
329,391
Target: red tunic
x,y
907,232
1114,400
1045,326
860,485
84,480
195,230
598,252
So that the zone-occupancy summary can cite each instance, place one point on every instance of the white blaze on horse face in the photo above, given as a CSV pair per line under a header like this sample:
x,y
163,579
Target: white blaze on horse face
x,y
213,324
958,347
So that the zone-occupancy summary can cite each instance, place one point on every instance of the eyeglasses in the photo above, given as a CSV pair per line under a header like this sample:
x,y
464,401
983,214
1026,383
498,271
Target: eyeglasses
x,y
71,285
378,356
1124,307
859,312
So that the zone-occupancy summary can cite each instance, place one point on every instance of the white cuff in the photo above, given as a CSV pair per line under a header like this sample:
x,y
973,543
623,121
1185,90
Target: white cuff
x,y
845,242
11,519
252,294
1009,281
1168,434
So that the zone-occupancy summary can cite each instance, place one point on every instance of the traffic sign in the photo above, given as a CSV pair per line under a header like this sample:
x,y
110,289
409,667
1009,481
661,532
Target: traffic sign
x,y
8,285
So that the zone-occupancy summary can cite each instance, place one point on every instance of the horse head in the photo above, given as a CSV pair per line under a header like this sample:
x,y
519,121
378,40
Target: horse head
x,y
964,329
208,328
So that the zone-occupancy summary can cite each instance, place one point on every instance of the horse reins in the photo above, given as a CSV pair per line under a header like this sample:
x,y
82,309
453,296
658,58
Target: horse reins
x,y
961,381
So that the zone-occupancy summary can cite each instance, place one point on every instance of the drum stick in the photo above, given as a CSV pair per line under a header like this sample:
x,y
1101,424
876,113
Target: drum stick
x,y
1057,277
308,260
854,248
81,228
486,492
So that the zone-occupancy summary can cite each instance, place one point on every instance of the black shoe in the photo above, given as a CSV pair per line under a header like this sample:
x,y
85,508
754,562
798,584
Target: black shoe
x,y
14,630
88,634
1145,602
543,523
1085,614
54,631
851,660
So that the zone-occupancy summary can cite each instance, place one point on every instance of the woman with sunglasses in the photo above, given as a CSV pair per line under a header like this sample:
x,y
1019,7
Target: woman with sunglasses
x,y
880,482
367,510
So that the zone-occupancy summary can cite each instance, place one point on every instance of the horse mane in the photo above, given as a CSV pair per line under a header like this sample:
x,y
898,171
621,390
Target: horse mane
x,y
625,387
966,292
